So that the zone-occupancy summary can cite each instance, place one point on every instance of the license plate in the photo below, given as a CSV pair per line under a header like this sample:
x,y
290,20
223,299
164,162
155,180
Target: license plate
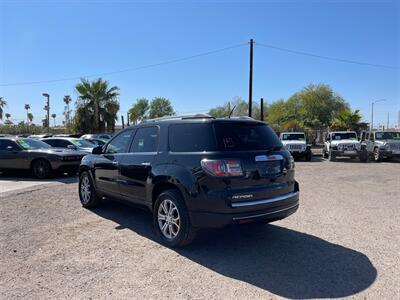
x,y
270,168
350,152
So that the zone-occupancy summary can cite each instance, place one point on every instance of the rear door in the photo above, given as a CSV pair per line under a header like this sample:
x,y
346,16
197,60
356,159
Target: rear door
x,y
136,166
107,165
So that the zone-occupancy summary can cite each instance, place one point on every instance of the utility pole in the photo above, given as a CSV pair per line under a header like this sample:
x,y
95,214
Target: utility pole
x,y
127,119
251,78
47,108
123,124
387,125
371,128
262,109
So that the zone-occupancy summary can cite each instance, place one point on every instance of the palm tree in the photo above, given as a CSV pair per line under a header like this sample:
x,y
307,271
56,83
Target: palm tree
x,y
30,117
8,116
67,101
97,96
54,119
27,108
347,120
3,104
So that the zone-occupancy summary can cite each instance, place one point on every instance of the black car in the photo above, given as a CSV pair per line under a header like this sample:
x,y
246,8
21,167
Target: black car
x,y
194,172
36,156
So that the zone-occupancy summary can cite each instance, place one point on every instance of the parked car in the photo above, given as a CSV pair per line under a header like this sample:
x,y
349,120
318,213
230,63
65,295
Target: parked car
x,y
39,136
381,144
71,135
37,156
103,136
194,172
70,143
97,142
344,144
296,143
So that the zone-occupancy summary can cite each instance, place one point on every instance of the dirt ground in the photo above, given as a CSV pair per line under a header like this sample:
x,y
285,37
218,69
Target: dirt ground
x,y
344,241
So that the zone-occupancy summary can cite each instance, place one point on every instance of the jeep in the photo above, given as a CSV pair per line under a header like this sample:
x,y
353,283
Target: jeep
x,y
296,143
381,144
194,172
344,144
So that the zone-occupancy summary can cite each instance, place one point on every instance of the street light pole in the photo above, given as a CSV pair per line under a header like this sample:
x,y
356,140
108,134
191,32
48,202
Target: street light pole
x,y
371,127
48,111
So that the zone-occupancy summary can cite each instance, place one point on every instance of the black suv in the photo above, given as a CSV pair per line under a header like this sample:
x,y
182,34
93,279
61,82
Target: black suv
x,y
194,172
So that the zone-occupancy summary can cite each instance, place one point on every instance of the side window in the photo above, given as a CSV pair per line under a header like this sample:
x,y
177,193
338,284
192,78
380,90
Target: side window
x,y
371,137
146,140
62,143
51,142
191,138
120,143
6,143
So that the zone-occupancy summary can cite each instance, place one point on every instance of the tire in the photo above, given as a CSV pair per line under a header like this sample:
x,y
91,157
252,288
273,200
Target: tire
x,y
87,192
41,169
331,156
171,220
377,156
363,156
324,154
308,156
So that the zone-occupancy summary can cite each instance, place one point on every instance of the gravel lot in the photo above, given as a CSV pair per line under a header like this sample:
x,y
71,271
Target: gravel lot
x,y
343,242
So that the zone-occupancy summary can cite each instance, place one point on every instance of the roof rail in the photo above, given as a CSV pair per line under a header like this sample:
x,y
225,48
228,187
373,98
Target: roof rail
x,y
179,117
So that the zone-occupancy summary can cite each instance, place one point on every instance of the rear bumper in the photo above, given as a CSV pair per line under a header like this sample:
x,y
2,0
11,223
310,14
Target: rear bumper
x,y
299,153
270,209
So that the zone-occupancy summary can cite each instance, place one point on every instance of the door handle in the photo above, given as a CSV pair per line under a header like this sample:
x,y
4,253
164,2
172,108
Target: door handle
x,y
115,163
146,163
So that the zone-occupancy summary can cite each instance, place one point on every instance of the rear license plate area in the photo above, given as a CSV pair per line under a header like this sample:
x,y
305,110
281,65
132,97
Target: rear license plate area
x,y
269,168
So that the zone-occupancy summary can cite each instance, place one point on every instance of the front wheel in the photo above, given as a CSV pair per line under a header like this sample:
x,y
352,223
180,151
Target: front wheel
x,y
87,192
364,156
308,156
171,220
41,169
377,155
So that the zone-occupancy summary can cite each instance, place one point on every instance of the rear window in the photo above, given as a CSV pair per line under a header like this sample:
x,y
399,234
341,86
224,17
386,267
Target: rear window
x,y
191,138
243,136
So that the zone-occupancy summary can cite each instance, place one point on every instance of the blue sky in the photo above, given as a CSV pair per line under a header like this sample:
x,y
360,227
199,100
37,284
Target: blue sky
x,y
45,40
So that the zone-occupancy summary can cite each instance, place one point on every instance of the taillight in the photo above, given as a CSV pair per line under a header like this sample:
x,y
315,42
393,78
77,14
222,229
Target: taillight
x,y
222,167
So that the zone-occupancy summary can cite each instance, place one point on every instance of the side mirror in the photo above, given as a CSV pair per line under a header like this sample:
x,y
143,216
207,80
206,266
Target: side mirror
x,y
97,150
72,147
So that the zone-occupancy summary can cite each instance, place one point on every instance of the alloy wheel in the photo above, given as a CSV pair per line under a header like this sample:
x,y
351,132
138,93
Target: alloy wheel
x,y
169,220
85,189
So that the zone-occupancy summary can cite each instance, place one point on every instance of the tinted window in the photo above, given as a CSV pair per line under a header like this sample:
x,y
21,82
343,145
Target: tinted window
x,y
81,143
191,138
233,136
146,140
5,143
32,144
120,143
50,142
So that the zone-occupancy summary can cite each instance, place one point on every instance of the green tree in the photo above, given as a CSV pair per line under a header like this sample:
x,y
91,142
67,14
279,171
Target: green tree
x,y
30,117
3,104
8,121
318,104
96,97
347,120
139,111
240,108
160,107
109,114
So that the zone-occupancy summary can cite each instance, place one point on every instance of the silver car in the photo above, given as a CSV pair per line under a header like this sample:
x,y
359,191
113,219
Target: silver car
x,y
382,144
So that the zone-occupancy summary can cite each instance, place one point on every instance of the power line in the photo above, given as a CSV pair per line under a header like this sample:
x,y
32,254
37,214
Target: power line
x,y
128,69
327,57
